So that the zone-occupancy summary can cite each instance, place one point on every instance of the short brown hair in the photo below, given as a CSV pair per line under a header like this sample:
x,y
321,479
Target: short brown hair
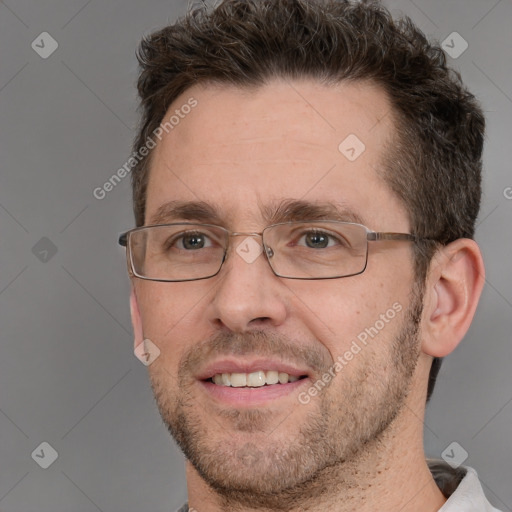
x,y
434,163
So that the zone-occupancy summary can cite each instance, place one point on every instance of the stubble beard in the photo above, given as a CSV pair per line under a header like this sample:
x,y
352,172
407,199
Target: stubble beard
x,y
347,424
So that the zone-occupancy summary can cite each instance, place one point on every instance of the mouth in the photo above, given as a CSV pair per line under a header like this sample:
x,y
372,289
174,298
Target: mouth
x,y
251,383
255,379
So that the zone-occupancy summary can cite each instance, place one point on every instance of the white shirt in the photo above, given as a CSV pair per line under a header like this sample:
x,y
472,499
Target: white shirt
x,y
468,497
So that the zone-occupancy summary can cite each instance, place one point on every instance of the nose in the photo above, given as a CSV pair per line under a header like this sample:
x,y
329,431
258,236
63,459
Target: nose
x,y
249,295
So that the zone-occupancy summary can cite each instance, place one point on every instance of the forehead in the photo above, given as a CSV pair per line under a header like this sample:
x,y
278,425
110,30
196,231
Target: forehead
x,y
242,149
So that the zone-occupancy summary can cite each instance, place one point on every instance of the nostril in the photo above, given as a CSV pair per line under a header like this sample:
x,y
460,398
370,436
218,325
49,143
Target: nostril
x,y
260,319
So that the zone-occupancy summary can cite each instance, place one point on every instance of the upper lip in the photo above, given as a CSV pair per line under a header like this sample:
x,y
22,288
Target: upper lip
x,y
249,366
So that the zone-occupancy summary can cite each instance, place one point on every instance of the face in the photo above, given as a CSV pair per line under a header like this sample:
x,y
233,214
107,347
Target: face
x,y
350,344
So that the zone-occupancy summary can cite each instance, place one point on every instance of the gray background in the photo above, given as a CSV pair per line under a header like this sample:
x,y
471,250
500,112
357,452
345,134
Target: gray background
x,y
67,372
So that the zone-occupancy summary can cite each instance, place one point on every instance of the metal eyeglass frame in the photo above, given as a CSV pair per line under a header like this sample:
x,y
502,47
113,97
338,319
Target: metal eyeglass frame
x,y
371,236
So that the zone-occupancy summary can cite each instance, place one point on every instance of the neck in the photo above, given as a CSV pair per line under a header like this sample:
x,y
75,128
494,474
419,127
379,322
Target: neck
x,y
390,474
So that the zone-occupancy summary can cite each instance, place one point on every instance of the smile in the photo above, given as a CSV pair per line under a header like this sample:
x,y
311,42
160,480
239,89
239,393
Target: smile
x,y
247,383
254,379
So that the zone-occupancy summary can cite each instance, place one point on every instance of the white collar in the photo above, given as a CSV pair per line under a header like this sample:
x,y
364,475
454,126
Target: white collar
x,y
468,497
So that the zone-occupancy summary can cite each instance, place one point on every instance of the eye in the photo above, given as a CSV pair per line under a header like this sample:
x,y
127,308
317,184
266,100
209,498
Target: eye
x,y
318,240
190,241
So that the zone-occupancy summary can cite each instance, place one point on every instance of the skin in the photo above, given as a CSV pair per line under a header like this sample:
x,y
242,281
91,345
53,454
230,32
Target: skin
x,y
356,444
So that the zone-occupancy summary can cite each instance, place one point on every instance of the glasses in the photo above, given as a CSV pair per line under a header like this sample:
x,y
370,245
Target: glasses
x,y
295,250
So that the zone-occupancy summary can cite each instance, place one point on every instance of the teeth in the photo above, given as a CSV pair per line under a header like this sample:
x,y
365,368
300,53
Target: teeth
x,y
256,379
238,380
253,380
272,377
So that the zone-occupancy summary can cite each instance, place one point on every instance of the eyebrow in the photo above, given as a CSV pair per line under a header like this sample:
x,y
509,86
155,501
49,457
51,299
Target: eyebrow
x,y
285,210
288,210
199,211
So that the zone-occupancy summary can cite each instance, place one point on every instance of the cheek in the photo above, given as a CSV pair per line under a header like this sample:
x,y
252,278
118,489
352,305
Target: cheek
x,y
344,314
170,314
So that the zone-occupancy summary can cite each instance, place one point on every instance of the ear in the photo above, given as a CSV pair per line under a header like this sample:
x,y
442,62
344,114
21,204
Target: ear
x,y
136,320
455,281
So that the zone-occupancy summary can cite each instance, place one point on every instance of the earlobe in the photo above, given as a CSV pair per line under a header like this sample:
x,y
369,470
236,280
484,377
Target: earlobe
x,y
136,320
453,287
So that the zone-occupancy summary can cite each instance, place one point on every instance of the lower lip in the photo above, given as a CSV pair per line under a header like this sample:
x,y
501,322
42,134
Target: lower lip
x,y
251,397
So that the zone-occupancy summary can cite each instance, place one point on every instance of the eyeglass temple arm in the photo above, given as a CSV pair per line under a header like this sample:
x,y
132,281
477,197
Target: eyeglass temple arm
x,y
374,236
123,239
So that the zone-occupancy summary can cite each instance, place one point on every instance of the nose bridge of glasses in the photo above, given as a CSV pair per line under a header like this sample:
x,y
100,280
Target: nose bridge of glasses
x,y
242,233
246,234
266,250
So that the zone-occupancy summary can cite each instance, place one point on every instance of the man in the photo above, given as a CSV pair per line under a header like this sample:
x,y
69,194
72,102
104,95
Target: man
x,y
307,184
